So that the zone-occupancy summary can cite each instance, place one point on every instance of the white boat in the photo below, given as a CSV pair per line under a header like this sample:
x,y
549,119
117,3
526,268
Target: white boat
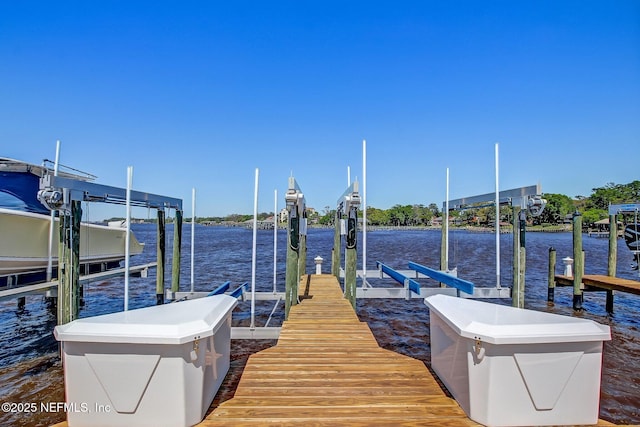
x,y
25,242
25,225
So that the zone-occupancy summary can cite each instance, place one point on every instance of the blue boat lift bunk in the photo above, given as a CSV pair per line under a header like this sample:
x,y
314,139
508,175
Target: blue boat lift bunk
x,y
450,284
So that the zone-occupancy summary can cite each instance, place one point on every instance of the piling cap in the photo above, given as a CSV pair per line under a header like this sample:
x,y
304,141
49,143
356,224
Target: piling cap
x,y
318,259
567,260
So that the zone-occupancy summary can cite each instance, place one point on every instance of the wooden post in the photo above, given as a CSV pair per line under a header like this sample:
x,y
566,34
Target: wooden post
x,y
160,251
613,245
443,248
578,262
519,223
350,257
76,218
302,258
552,275
69,264
523,256
335,253
63,284
292,276
175,259
613,258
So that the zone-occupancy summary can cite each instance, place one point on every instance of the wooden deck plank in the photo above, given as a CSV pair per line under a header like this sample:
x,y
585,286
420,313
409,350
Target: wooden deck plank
x,y
327,369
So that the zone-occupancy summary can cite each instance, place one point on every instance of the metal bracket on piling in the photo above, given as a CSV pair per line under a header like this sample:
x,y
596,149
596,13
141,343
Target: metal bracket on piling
x,y
296,206
348,204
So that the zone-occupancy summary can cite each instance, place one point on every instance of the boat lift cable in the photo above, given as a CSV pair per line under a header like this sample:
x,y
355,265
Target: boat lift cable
x,y
49,271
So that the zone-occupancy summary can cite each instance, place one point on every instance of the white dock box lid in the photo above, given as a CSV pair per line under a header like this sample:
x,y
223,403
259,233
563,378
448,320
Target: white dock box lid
x,y
175,323
499,324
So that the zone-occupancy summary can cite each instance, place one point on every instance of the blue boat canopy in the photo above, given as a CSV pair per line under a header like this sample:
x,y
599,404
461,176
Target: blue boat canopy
x,y
23,186
20,183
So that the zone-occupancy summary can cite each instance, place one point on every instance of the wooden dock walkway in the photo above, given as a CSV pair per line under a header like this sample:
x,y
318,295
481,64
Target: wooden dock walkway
x,y
596,282
327,369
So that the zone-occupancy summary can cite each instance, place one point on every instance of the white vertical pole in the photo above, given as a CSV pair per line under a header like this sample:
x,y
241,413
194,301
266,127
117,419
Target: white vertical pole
x,y
497,222
275,237
193,235
364,213
53,220
446,226
127,238
348,176
253,256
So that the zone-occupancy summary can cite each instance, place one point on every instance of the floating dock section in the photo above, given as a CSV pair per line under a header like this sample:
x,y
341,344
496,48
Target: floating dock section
x,y
327,369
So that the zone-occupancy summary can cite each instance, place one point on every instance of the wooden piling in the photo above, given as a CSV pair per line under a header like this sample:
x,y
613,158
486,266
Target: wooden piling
x,y
578,262
443,248
350,257
302,254
177,245
552,275
336,252
613,245
160,252
69,264
519,257
63,284
292,276
76,219
612,259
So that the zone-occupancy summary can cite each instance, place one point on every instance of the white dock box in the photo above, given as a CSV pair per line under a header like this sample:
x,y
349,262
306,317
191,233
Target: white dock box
x,y
154,366
512,367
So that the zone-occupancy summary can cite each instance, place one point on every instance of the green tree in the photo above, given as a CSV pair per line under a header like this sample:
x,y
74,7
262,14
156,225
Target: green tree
x,y
421,215
434,210
612,193
592,215
400,215
557,208
377,216
328,217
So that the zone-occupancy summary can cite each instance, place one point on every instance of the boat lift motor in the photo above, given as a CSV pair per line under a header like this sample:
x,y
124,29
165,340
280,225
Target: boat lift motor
x,y
536,204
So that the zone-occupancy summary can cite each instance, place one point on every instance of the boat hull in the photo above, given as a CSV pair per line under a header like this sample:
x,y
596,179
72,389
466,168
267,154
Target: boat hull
x,y
632,237
24,246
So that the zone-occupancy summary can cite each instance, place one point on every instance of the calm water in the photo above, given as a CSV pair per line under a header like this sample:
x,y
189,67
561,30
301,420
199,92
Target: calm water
x,y
30,370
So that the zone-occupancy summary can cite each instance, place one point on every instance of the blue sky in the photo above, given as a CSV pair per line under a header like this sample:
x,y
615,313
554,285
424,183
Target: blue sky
x,y
200,94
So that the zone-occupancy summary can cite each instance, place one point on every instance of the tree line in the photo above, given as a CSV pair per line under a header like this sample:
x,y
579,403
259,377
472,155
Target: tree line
x,y
558,209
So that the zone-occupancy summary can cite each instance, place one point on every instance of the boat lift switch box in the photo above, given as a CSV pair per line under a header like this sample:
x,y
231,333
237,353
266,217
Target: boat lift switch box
x,y
154,366
508,366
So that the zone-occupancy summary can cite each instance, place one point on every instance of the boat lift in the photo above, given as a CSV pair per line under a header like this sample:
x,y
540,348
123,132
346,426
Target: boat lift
x,y
66,195
631,232
521,200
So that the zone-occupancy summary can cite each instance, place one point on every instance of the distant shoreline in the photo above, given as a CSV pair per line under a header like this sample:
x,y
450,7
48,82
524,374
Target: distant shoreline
x,y
504,229
473,229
